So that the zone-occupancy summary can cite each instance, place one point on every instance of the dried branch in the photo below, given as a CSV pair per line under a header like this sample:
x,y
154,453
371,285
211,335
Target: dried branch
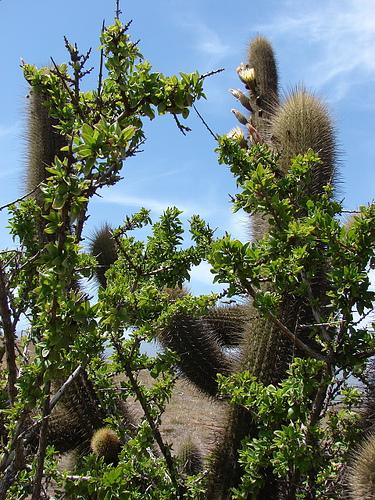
x,y
182,128
118,10
100,78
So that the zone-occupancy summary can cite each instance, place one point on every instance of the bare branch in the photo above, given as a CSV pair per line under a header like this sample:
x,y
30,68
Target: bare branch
x,y
183,129
42,446
211,73
21,198
215,136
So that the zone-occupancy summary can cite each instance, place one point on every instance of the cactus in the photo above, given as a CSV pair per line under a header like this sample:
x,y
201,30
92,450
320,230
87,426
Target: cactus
x,y
43,142
103,247
300,123
201,356
190,458
76,416
106,444
228,323
361,474
79,412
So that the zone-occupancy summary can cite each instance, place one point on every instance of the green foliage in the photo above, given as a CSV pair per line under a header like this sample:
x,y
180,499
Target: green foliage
x,y
96,130
305,278
286,439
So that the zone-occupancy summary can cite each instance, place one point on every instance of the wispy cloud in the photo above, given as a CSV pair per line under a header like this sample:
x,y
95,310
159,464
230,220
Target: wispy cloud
x,y
155,205
142,180
207,41
342,35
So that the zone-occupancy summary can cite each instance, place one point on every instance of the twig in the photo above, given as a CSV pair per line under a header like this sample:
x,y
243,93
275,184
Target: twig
x,y
100,78
211,73
182,128
215,136
118,10
21,198
285,330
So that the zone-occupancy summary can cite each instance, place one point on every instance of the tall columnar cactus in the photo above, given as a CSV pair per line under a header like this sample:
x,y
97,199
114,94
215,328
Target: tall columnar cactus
x,y
301,122
43,142
260,77
79,412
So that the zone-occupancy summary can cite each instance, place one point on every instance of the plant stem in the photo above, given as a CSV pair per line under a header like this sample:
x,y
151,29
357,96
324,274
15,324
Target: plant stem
x,y
41,454
10,335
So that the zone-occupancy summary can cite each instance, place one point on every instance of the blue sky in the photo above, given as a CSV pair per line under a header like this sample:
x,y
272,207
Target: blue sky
x,y
328,45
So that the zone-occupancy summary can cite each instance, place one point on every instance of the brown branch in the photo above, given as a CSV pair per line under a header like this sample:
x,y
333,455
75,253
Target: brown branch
x,y
100,78
118,10
10,464
42,446
182,128
10,336
211,73
365,354
285,330
153,426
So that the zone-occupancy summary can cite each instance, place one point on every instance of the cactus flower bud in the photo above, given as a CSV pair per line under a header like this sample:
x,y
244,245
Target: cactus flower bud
x,y
237,135
240,117
245,101
246,74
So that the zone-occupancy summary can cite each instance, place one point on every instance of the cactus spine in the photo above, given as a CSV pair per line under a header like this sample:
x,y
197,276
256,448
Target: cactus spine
x,y
106,444
43,142
103,247
190,458
361,474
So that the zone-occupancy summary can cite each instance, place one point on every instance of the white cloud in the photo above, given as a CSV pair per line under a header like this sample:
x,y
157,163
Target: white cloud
x,y
343,35
206,40
240,226
155,205
201,280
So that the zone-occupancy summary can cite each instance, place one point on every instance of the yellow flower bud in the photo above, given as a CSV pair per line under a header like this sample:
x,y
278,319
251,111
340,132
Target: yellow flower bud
x,y
246,74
